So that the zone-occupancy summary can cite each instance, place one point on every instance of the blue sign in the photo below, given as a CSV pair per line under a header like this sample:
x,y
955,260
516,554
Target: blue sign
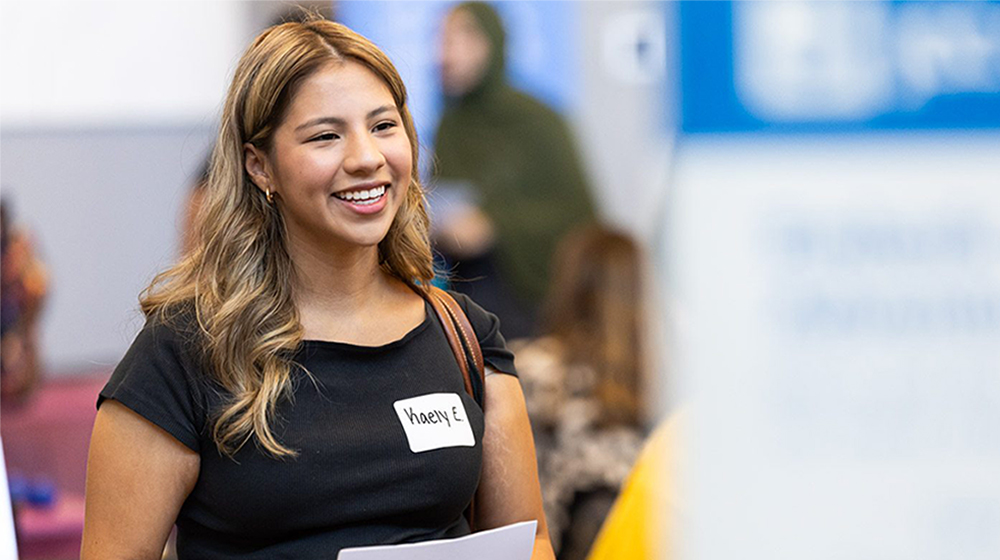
x,y
839,66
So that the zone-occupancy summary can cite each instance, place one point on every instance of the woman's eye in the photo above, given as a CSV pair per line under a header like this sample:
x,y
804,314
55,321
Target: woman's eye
x,y
382,126
325,137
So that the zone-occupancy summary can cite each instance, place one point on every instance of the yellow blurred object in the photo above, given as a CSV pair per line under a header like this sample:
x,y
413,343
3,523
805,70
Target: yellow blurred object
x,y
637,528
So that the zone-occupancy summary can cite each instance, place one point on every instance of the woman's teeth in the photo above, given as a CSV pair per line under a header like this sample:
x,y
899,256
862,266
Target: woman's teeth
x,y
363,198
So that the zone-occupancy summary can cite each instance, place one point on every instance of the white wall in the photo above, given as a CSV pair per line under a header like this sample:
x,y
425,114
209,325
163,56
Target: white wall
x,y
105,64
107,111
625,118
104,207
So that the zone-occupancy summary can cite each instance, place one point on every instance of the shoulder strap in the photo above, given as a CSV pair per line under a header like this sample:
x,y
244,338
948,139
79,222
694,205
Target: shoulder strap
x,y
464,344
462,339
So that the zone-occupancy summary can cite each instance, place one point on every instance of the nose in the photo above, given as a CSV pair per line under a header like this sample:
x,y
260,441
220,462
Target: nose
x,y
363,155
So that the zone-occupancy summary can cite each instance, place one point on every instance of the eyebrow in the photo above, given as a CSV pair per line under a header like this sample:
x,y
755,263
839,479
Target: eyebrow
x,y
341,122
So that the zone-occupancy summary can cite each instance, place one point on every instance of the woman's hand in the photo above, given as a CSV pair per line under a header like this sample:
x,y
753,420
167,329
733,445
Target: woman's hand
x,y
138,476
508,489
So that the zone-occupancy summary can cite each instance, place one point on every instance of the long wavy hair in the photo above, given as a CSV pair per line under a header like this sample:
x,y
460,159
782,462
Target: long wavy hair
x,y
595,309
238,277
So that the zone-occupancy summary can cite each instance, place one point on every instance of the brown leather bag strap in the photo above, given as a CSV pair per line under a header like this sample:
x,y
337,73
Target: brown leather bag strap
x,y
466,330
462,339
451,333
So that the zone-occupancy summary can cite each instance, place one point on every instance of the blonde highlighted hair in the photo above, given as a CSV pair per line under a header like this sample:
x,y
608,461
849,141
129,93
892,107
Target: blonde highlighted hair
x,y
238,277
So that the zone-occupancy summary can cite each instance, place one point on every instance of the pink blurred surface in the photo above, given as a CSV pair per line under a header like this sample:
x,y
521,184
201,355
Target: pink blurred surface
x,y
51,532
47,438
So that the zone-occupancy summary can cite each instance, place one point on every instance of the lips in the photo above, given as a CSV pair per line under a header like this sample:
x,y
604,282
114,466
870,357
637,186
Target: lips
x,y
362,196
364,199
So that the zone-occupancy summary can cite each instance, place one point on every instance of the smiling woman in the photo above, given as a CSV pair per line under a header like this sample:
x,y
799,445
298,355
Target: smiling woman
x,y
340,162
258,408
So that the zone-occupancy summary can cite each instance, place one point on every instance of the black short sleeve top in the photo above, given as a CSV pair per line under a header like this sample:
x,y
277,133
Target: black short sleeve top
x,y
358,478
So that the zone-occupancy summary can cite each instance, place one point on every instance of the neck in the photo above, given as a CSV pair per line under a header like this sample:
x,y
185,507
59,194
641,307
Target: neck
x,y
335,279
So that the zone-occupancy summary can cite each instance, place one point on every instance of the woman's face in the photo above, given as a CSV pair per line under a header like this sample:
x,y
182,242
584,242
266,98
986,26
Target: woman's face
x,y
340,161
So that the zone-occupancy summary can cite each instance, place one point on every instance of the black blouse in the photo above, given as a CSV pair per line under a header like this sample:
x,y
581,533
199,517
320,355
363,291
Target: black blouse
x,y
382,433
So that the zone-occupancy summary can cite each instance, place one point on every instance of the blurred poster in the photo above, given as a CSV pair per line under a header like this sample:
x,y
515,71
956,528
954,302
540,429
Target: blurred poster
x,y
838,315
839,66
833,252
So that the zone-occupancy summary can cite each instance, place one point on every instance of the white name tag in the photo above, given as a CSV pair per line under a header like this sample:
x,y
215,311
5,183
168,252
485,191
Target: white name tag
x,y
435,421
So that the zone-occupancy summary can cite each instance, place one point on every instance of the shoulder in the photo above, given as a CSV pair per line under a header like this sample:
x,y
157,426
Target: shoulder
x,y
169,346
483,322
487,327
176,327
161,377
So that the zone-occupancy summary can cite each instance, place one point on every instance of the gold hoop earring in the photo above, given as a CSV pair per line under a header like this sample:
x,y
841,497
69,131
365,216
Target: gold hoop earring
x,y
269,195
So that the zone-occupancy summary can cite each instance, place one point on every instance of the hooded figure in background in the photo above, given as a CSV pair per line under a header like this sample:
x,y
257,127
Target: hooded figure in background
x,y
516,163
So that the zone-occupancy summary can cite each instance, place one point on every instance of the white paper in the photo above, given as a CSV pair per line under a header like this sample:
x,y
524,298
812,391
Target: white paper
x,y
8,545
512,542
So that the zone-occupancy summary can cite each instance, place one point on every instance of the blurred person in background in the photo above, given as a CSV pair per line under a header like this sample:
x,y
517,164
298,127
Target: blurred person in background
x,y
584,381
256,410
516,160
22,293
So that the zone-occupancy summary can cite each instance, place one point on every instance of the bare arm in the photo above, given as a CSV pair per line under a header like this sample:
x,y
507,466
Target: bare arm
x,y
138,476
508,490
